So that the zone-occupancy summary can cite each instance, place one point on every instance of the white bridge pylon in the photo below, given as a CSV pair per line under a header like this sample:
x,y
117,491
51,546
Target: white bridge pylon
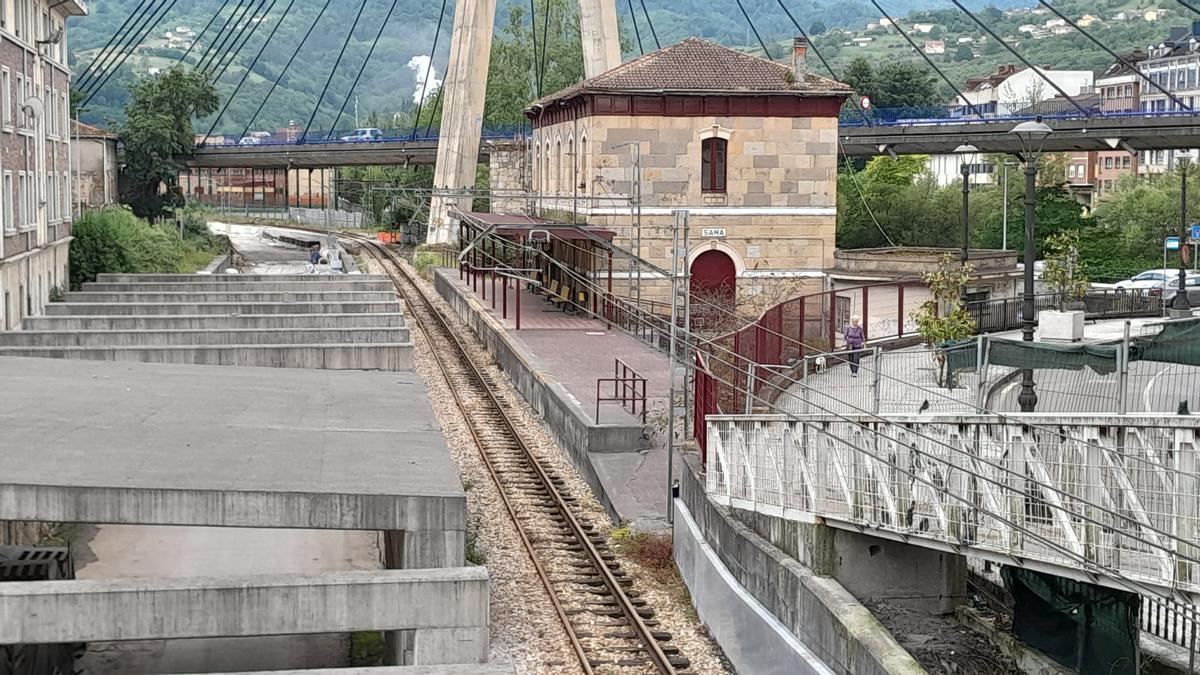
x,y
465,88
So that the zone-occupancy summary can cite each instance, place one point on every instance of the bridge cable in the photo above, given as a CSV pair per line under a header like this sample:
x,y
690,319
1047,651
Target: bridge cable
x,y
249,69
862,196
437,33
279,78
370,53
636,31
116,68
1189,5
437,104
234,44
537,73
225,35
928,60
238,51
203,32
545,38
1121,59
333,71
220,34
112,40
813,45
997,38
649,22
755,29
99,68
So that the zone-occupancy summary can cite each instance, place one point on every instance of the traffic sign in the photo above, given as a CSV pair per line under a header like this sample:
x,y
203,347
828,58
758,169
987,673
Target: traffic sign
x,y
1194,233
1171,243
865,102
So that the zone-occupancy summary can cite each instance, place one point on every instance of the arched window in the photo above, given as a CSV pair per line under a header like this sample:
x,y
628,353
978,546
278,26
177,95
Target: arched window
x,y
558,165
546,169
712,164
582,179
573,163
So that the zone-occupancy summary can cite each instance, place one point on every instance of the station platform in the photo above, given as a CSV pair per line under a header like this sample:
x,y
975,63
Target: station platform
x,y
555,360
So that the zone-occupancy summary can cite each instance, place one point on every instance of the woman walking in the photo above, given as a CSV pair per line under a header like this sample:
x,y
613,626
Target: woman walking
x,y
855,337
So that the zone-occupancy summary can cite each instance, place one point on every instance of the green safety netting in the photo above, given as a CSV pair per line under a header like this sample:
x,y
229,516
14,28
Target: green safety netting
x,y
1178,342
1084,627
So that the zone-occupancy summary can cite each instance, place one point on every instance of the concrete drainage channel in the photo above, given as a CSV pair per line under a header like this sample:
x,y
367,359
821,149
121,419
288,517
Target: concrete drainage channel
x,y
340,322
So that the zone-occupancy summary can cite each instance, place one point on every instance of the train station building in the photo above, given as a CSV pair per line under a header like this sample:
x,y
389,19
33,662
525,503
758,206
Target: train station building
x,y
747,146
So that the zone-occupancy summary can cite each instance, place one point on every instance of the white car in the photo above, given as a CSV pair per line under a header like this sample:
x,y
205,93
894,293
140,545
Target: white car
x,y
250,140
363,135
1152,279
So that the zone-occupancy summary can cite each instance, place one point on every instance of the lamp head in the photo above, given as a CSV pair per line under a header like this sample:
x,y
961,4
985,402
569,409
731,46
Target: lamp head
x,y
1032,135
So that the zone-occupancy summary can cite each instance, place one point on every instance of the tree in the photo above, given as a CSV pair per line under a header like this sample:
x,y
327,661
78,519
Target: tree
x,y
157,133
964,53
893,85
1064,271
943,318
818,27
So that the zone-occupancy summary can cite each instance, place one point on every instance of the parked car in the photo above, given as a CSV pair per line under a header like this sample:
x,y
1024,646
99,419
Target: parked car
x,y
250,140
1152,279
1172,288
359,135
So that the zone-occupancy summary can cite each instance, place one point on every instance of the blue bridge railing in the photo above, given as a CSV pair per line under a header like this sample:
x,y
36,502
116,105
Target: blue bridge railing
x,y
934,115
339,136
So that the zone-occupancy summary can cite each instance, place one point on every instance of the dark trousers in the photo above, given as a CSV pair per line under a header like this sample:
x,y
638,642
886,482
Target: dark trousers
x,y
854,357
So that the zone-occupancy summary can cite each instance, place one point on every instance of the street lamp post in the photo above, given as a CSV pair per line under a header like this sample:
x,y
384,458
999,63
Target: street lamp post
x,y
1181,302
1032,136
966,152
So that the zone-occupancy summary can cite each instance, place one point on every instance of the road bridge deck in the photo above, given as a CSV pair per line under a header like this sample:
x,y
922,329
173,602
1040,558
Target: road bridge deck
x,y
134,443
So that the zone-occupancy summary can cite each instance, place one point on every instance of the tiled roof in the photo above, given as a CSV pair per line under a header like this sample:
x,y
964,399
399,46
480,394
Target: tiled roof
x,y
700,66
88,131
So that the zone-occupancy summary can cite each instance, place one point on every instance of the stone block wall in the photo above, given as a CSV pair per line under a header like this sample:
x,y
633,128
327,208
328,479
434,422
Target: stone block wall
x,y
507,172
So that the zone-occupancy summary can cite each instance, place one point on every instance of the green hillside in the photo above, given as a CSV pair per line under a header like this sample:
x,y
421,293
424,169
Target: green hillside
x,y
388,84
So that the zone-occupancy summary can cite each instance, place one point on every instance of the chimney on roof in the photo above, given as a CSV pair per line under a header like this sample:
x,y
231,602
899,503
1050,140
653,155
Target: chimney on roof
x,y
799,56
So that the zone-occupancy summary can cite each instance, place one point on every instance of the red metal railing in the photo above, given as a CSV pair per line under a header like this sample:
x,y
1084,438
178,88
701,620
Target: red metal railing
x,y
703,405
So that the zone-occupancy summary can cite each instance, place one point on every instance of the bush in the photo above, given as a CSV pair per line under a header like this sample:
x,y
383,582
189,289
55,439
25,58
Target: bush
x,y
114,240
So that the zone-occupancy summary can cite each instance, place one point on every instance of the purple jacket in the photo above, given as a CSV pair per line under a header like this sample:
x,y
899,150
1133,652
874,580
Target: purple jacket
x,y
854,337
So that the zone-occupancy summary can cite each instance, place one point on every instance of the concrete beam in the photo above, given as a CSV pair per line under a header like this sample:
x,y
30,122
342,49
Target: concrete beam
x,y
204,336
220,308
601,39
315,155
384,356
449,602
465,88
211,286
214,322
316,295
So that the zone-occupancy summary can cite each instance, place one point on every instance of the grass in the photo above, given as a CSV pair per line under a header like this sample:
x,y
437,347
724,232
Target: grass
x,y
474,554
651,551
366,649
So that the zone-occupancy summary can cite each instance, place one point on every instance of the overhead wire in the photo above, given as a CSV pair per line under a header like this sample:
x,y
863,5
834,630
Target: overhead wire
x,y
99,68
286,67
112,40
248,22
366,62
813,45
755,30
1021,57
545,38
953,87
739,363
333,71
250,68
437,33
225,35
537,71
204,31
125,57
238,51
205,55
1120,59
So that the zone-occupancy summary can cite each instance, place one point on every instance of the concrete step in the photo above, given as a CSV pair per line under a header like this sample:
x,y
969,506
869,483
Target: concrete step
x,y
227,308
232,278
221,296
214,322
350,284
389,356
164,338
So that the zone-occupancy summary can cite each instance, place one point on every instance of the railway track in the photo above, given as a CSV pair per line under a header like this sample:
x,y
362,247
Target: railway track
x,y
611,628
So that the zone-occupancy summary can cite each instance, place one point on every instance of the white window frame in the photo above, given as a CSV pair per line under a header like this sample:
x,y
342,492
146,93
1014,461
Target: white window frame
x,y
22,200
66,195
6,198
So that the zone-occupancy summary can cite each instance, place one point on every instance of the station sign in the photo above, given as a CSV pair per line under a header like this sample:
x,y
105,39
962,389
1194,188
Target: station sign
x,y
713,233
1171,243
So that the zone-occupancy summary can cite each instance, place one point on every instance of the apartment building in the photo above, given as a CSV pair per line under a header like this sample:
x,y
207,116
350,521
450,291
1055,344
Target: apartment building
x,y
35,153
1174,65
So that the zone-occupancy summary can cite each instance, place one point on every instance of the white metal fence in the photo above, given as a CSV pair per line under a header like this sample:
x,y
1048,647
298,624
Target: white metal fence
x,y
1085,496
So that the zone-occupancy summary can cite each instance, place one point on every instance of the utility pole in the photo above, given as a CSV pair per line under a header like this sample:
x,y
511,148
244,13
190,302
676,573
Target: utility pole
x,y
1180,303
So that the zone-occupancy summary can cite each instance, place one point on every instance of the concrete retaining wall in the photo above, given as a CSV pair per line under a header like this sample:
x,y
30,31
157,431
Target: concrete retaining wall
x,y
155,309
216,322
122,277
817,610
388,357
568,423
205,336
349,284
448,608
228,297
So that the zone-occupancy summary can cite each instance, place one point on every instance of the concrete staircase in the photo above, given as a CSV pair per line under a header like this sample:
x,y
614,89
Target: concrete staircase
x,y
345,322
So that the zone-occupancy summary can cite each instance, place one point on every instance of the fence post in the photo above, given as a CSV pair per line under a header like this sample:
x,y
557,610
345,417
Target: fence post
x,y
866,313
1123,376
878,363
900,310
832,321
979,342
984,367
749,407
